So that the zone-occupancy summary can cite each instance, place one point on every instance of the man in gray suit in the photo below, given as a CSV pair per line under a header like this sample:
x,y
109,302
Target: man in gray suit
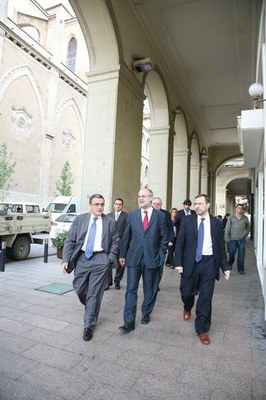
x,y
90,248
120,216
142,248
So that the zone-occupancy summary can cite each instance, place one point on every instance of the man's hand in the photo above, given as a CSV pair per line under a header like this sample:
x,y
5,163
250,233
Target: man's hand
x,y
64,266
227,275
170,244
122,262
179,269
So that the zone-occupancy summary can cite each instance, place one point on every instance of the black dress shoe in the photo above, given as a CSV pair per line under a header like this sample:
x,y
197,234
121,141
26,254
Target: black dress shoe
x,y
145,319
117,286
87,334
126,328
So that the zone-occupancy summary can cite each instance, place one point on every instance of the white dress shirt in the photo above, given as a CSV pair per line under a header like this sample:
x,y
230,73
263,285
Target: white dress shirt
x,y
98,237
207,242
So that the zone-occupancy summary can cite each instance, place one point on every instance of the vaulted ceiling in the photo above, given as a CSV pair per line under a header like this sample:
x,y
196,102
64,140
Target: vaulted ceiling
x,y
210,46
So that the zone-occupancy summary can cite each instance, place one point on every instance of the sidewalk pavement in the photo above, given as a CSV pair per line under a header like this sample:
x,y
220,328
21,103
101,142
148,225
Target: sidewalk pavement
x,y
43,356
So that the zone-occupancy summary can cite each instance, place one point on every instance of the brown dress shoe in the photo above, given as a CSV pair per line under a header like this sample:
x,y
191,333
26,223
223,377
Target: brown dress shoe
x,y
186,315
204,338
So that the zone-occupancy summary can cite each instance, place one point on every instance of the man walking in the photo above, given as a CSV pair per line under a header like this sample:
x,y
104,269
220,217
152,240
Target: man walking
x,y
91,245
120,217
200,252
181,214
142,248
236,231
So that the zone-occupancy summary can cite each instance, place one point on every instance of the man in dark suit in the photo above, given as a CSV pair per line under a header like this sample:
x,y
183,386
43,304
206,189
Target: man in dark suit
x,y
142,248
181,214
200,253
120,216
93,243
157,204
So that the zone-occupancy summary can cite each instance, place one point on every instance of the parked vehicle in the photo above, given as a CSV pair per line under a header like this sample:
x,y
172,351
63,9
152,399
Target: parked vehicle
x,y
19,207
17,231
62,205
61,224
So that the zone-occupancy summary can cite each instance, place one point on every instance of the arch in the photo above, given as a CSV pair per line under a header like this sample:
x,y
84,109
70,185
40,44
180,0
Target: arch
x,y
61,109
180,157
95,19
156,93
224,202
16,73
32,31
193,171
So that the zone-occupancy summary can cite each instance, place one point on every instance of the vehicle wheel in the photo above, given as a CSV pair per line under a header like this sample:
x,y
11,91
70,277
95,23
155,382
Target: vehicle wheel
x,y
20,248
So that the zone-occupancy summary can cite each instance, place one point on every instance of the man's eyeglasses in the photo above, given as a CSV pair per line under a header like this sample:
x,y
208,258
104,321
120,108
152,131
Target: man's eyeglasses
x,y
98,205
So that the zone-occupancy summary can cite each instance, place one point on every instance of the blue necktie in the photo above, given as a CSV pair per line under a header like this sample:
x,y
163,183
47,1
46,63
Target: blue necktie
x,y
200,241
91,239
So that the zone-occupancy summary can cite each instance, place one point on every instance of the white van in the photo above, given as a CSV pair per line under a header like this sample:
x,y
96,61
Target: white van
x,y
63,204
11,207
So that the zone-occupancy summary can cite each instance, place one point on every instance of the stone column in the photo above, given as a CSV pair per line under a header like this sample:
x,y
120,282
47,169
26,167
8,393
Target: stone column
x,y
112,150
179,178
158,178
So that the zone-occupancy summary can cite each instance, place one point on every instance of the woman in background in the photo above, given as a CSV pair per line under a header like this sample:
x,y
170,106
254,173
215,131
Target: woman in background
x,y
171,249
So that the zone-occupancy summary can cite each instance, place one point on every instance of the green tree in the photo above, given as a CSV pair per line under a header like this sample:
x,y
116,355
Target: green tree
x,y
63,185
7,169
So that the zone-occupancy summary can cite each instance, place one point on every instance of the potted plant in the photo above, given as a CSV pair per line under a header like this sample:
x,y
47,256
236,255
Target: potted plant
x,y
59,241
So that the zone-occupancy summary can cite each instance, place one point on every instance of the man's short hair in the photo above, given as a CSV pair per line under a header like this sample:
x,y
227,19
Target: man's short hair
x,y
119,199
187,202
95,196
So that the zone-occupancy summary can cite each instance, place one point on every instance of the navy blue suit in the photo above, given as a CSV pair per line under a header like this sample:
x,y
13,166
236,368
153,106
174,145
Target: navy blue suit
x,y
199,277
145,254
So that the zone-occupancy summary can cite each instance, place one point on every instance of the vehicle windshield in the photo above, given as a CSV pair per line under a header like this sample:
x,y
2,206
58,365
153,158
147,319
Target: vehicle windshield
x,y
66,218
56,207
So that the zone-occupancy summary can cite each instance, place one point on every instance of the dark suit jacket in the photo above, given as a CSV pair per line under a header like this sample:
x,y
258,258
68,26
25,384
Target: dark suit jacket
x,y
120,223
151,244
186,245
77,234
180,217
169,225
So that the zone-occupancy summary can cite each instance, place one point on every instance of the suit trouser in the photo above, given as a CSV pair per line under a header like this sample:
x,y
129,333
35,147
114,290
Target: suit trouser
x,y
201,282
90,277
119,273
150,279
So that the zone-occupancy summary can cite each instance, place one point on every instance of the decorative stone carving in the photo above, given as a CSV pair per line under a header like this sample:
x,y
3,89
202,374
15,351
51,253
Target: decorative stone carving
x,y
22,120
68,140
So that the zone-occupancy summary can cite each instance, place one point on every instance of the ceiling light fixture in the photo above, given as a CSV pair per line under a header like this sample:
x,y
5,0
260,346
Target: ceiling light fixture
x,y
143,65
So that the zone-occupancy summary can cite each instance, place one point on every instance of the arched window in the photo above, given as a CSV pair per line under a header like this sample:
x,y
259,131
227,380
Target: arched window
x,y
32,31
72,54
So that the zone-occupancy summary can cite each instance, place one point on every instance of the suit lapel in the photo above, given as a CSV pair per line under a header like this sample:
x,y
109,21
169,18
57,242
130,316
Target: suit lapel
x,y
104,222
195,224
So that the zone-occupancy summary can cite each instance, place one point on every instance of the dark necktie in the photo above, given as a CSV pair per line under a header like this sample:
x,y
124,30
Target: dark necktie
x,y
145,221
91,239
200,241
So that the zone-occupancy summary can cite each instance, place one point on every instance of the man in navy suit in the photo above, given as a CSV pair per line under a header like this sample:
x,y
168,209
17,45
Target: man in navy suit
x,y
181,214
142,248
120,217
200,253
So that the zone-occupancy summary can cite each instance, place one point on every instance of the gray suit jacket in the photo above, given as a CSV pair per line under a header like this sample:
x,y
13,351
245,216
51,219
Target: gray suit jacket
x,y
77,234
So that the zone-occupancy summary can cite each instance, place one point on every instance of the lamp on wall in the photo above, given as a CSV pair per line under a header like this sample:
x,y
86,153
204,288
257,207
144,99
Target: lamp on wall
x,y
256,91
203,154
142,65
